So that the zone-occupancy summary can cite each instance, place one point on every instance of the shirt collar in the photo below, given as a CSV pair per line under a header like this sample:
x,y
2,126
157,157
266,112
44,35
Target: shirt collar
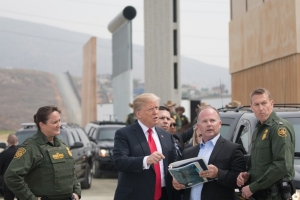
x,y
268,121
212,141
145,128
42,139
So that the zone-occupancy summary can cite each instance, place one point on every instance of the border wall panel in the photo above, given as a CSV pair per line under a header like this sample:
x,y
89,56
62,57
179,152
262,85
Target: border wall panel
x,y
252,39
269,32
297,10
236,50
279,76
251,4
238,8
89,82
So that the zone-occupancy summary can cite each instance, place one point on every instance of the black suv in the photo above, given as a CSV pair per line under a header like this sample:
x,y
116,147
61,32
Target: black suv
x,y
239,124
75,137
103,135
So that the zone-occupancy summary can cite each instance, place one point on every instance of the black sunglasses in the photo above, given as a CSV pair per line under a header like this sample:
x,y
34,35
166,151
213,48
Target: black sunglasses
x,y
173,124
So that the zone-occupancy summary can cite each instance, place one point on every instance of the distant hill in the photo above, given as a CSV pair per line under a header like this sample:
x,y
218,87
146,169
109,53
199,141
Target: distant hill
x,y
34,46
22,92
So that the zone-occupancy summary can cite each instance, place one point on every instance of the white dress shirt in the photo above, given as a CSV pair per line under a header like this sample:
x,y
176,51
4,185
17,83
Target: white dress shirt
x,y
159,149
204,152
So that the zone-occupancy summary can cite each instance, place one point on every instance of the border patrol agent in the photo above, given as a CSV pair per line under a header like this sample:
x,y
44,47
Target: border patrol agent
x,y
130,119
43,166
272,154
185,124
174,115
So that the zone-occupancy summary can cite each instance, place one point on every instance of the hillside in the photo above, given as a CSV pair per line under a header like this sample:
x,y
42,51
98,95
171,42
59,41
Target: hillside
x,y
22,92
35,46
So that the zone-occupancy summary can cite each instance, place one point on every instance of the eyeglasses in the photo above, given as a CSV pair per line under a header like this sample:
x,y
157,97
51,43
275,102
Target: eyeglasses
x,y
173,124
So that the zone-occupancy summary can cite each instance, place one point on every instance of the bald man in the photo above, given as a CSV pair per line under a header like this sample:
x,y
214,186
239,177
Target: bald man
x,y
5,158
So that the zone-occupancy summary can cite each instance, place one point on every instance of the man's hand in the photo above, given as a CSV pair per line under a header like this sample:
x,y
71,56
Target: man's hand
x,y
177,185
242,178
154,158
212,172
246,192
76,196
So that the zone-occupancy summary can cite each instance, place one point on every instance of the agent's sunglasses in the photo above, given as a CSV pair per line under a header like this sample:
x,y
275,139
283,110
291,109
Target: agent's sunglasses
x,y
173,124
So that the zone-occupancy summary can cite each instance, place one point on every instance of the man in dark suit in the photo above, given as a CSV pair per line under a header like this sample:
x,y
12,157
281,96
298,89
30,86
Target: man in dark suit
x,y
225,160
142,153
5,158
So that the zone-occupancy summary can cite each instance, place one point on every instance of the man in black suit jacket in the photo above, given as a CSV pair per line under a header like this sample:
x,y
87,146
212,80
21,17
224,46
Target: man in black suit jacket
x,y
133,158
225,160
5,158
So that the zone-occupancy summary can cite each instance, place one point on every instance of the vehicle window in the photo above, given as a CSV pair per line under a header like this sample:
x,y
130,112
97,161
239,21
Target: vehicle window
x,y
24,134
75,135
88,128
297,137
244,137
224,131
71,137
106,133
226,128
296,124
82,136
93,133
63,137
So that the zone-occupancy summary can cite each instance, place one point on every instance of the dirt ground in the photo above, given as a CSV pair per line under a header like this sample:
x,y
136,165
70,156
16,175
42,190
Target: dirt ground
x,y
3,137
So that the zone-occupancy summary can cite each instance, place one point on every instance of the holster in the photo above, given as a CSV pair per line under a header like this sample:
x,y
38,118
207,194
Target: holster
x,y
284,188
261,194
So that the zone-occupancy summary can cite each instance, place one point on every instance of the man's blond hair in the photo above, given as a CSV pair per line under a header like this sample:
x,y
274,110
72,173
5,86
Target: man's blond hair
x,y
140,100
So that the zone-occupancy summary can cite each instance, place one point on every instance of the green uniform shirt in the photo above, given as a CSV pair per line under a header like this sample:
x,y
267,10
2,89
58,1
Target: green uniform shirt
x,y
184,122
36,160
175,116
272,153
130,119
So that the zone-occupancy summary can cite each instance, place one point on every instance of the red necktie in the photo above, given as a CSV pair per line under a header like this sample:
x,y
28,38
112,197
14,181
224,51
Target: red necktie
x,y
152,146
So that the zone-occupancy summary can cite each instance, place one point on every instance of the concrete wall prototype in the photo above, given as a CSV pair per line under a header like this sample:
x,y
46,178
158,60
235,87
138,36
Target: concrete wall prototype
x,y
264,48
70,100
121,30
162,49
89,83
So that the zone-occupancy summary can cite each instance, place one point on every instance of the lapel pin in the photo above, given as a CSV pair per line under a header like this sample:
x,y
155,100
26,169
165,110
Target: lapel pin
x,y
161,135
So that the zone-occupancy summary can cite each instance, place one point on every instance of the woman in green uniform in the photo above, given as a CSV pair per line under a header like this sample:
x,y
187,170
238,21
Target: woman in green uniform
x,y
43,166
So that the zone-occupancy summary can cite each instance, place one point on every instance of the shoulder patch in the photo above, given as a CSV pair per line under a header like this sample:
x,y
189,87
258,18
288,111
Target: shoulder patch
x,y
20,152
282,132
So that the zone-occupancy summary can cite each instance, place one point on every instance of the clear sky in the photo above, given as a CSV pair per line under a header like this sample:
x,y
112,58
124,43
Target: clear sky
x,y
204,23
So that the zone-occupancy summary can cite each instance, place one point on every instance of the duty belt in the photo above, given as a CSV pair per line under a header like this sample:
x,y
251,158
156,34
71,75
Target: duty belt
x,y
69,198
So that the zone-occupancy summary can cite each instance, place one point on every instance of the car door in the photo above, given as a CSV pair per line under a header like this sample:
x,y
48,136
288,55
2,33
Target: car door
x,y
244,131
86,142
78,154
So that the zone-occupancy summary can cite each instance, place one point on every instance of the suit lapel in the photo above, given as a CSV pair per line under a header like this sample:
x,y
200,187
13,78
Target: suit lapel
x,y
216,150
196,152
164,147
138,131
161,136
